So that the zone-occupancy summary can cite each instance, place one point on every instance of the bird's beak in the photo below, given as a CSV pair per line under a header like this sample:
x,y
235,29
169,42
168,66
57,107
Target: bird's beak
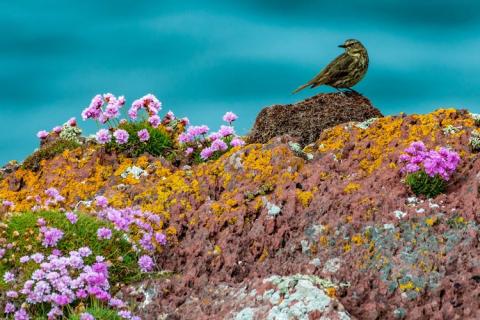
x,y
342,46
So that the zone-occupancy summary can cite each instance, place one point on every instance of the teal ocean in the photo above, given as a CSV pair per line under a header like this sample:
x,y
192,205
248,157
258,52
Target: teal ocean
x,y
203,58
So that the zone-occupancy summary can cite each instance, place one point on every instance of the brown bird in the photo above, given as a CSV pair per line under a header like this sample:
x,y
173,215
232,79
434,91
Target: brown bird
x,y
345,71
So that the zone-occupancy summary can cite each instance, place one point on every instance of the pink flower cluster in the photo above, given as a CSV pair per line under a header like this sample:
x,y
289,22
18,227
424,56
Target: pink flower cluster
x,y
62,280
129,220
149,103
441,163
195,138
104,108
72,122
51,236
54,197
7,204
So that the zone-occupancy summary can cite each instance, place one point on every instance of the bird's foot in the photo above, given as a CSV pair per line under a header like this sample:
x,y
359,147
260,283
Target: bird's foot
x,y
350,90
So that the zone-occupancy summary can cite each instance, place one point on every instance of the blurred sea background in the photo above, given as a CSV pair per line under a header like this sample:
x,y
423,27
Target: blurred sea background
x,y
203,58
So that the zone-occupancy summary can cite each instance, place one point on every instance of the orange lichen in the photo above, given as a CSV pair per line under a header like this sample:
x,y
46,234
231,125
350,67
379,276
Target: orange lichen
x,y
331,292
264,255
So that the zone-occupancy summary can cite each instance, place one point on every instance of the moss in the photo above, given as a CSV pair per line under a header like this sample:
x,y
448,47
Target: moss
x,y
48,151
159,144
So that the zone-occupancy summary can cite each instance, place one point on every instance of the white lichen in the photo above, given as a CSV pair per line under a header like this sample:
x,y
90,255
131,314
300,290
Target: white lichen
x,y
474,141
365,124
135,171
448,130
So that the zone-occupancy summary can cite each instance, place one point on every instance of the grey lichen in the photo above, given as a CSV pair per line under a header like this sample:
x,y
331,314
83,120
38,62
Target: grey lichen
x,y
297,149
475,141
476,118
135,171
273,209
365,124
448,130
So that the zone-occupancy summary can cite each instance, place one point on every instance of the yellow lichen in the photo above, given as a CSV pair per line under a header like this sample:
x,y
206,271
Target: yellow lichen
x,y
264,255
358,239
305,197
406,286
217,250
351,187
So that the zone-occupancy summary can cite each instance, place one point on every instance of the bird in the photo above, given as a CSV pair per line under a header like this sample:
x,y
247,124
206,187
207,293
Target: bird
x,y
345,71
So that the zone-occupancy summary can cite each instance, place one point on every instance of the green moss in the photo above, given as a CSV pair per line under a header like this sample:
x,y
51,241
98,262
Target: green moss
x,y
159,144
422,184
99,312
47,152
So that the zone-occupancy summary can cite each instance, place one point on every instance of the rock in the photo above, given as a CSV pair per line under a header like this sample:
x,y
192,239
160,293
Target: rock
x,y
307,119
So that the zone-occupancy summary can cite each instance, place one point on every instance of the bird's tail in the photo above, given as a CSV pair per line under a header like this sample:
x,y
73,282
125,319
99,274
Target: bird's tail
x,y
301,88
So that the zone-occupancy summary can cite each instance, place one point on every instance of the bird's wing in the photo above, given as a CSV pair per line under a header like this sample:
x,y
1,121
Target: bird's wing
x,y
338,68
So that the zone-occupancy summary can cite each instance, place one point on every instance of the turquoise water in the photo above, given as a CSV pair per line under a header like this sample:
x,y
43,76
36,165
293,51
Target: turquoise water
x,y
202,58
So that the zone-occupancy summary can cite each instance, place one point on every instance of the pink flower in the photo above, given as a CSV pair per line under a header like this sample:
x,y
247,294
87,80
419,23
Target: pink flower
x,y
7,204
170,115
161,238
185,121
9,308
145,263
143,135
57,129
103,136
226,131
237,142
8,277
42,134
132,113
72,217
51,236
112,111
12,294
37,257
154,121
206,153
125,314
219,145
121,101
185,137
101,201
86,316
230,117
104,233
215,135
72,122
189,151
21,315
121,136
24,259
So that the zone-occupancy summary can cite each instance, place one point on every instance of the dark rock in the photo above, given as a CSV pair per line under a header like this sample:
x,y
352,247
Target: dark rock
x,y
308,118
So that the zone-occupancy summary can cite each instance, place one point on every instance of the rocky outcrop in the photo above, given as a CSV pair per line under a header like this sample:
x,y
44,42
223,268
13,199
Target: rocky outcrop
x,y
307,119
333,219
